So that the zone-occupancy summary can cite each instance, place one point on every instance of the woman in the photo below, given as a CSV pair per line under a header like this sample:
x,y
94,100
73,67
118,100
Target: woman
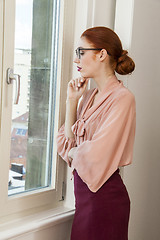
x,y
98,138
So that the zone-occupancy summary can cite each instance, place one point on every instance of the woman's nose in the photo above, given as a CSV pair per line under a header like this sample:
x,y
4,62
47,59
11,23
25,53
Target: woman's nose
x,y
76,60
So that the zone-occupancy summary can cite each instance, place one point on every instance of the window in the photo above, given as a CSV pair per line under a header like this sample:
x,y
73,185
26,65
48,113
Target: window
x,y
17,200
28,157
21,132
36,44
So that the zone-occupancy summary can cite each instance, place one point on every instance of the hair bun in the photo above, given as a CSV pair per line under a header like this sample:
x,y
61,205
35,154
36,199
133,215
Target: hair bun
x,y
124,52
122,57
125,64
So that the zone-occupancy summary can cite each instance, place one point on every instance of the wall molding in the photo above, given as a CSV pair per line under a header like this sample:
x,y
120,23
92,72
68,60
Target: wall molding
x,y
35,223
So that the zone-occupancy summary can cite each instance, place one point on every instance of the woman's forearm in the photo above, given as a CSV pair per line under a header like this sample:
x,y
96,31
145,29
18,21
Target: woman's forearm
x,y
71,116
75,90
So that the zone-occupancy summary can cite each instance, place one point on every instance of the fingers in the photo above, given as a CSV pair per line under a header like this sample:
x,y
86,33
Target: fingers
x,y
78,83
85,82
72,83
70,162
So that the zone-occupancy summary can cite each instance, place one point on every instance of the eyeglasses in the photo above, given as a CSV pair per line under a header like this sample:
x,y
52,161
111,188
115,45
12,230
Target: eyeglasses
x,y
79,49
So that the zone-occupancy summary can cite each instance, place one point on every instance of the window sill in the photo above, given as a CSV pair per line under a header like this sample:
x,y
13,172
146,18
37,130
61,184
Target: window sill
x,y
36,222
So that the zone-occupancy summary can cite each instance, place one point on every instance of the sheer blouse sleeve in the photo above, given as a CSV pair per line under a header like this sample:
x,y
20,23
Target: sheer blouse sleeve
x,y
64,144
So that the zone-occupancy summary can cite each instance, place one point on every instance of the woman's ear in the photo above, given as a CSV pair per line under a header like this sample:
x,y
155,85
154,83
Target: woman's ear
x,y
103,55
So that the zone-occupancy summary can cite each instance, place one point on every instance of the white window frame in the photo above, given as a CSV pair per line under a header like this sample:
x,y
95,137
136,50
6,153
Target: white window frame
x,y
34,201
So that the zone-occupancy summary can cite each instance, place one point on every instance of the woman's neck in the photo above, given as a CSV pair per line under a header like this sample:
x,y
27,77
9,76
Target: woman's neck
x,y
102,80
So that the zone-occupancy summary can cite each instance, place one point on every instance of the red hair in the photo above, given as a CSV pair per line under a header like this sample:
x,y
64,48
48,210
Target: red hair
x,y
105,38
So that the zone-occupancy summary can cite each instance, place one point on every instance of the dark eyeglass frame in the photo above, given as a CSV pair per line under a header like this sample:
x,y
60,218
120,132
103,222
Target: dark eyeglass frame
x,y
80,49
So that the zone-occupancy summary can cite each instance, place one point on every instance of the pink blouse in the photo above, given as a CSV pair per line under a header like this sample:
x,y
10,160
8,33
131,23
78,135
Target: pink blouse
x,y
104,134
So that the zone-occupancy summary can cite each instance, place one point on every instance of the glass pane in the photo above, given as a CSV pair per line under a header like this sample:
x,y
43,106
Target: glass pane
x,y
32,126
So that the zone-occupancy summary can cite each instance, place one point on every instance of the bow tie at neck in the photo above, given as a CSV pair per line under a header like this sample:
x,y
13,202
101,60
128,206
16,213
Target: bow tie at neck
x,y
79,126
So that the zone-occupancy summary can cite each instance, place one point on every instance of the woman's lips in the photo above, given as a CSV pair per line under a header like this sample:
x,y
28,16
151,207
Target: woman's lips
x,y
79,68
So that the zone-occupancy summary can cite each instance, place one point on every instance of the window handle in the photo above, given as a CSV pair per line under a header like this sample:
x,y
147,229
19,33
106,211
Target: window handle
x,y
10,77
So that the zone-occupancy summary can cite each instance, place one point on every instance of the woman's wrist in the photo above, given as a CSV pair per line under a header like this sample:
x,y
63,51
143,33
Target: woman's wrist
x,y
72,100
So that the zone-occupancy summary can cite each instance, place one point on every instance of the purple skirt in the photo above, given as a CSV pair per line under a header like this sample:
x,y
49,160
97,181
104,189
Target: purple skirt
x,y
103,215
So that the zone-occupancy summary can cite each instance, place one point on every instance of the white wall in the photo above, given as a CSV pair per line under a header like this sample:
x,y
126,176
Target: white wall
x,y
58,232
142,177
52,224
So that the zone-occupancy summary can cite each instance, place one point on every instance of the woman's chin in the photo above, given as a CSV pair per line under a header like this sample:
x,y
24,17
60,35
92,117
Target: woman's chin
x,y
85,75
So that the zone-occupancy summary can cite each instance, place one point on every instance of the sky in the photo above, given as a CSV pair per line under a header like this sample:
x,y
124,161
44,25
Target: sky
x,y
23,27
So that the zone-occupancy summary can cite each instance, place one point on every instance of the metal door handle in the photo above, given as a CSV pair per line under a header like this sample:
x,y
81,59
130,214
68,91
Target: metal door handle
x,y
10,77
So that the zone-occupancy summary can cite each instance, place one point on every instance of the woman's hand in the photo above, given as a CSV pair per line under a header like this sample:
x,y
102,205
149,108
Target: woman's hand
x,y
71,154
76,88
